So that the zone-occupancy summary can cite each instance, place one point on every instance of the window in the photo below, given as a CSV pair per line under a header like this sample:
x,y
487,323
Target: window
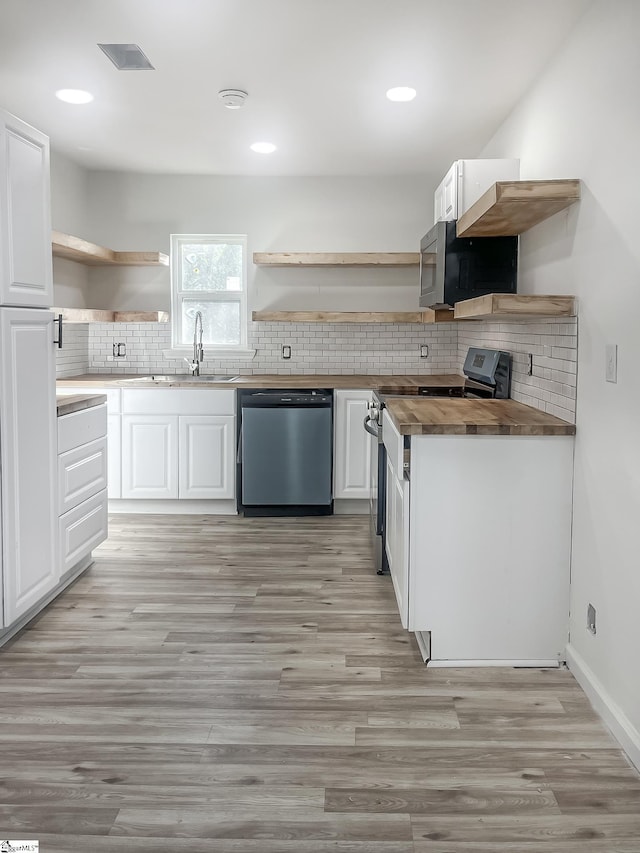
x,y
209,274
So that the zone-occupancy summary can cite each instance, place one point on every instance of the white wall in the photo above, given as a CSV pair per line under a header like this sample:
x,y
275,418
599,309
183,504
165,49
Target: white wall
x,y
582,119
134,211
69,215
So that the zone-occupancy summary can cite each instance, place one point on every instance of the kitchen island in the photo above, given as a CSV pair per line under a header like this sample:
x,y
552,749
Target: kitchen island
x,y
478,524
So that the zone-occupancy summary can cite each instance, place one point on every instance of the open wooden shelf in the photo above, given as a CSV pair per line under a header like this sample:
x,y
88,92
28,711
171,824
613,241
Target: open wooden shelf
x,y
98,315
337,259
511,207
76,249
508,306
428,315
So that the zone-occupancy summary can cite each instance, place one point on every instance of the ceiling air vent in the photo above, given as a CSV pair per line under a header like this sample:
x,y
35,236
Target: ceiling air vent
x,y
127,57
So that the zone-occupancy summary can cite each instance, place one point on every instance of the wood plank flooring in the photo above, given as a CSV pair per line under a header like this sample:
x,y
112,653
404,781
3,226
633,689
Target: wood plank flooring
x,y
242,685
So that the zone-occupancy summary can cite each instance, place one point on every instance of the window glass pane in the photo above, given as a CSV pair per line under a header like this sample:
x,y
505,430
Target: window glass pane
x,y
220,322
211,266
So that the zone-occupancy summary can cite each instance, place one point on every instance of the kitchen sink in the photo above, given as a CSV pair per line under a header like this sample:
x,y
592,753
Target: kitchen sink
x,y
176,377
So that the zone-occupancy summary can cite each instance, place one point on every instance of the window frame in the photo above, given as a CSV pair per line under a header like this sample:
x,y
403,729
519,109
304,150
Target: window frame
x,y
178,296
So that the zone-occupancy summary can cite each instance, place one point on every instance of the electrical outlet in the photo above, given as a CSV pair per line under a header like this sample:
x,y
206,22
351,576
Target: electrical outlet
x,y
424,351
591,618
286,351
611,369
530,364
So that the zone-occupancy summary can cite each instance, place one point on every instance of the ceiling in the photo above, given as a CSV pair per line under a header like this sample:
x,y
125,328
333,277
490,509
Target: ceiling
x,y
316,72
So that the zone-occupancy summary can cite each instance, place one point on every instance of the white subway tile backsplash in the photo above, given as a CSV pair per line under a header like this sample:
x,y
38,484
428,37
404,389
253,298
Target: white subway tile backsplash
x,y
552,385
348,349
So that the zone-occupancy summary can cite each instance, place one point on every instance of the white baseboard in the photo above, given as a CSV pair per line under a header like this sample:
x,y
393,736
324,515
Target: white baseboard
x,y
350,506
620,725
174,507
535,664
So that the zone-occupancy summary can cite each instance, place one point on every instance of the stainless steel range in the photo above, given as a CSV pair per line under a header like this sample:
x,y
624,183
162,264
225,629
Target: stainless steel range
x,y
487,375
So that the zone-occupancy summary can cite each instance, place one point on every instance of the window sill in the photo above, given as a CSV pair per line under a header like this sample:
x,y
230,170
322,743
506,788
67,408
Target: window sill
x,y
212,354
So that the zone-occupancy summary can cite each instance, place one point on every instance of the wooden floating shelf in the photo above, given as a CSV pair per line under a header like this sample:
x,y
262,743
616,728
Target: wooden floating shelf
x,y
76,249
337,259
508,306
98,315
427,315
510,207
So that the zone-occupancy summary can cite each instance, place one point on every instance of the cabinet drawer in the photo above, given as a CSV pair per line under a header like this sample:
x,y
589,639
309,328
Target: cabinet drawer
x,y
82,473
81,427
178,401
82,529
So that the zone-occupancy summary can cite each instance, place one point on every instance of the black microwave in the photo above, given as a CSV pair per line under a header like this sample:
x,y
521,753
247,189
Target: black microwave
x,y
454,268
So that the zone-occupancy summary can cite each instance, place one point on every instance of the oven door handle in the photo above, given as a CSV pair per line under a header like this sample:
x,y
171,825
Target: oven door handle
x,y
369,427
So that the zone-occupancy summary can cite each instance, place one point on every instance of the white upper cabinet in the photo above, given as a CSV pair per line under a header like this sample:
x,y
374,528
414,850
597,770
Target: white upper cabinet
x,y
25,216
466,181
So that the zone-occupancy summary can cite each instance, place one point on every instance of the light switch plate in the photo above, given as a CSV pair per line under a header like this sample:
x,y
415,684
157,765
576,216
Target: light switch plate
x,y
611,368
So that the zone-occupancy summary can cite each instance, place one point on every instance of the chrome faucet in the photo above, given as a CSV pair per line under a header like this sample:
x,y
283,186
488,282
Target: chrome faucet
x,y
198,352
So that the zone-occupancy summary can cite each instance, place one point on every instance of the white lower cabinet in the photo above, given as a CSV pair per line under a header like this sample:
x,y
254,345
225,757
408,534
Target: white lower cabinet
x,y
178,444
82,484
352,445
206,458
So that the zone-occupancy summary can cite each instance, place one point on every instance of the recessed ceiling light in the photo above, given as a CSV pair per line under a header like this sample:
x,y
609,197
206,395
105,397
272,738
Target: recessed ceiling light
x,y
263,147
74,96
401,93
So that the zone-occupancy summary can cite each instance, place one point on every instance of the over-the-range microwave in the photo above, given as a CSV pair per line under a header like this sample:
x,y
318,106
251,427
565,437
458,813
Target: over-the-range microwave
x,y
455,268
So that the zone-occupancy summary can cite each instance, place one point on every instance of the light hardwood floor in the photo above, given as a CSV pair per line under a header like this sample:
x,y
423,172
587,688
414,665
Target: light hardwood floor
x,y
231,685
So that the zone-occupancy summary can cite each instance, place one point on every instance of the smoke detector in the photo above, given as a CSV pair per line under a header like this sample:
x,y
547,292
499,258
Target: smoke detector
x,y
233,99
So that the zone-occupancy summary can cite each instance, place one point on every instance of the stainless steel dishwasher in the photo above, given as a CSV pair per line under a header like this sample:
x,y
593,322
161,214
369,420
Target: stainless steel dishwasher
x,y
285,452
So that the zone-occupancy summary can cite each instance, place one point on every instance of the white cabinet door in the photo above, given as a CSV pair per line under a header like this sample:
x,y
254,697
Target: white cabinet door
x,y
450,194
28,458
397,539
352,446
149,456
25,215
207,456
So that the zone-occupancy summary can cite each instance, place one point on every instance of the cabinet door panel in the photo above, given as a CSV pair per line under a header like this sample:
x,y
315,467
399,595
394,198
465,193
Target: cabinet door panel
x,y
28,458
352,448
207,457
149,456
25,216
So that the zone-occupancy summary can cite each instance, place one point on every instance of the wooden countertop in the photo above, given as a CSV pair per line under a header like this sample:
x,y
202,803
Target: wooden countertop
x,y
69,403
386,384
446,416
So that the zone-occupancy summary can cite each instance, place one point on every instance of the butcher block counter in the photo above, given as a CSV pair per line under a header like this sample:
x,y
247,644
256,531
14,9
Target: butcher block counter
x,y
446,416
384,383
66,405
